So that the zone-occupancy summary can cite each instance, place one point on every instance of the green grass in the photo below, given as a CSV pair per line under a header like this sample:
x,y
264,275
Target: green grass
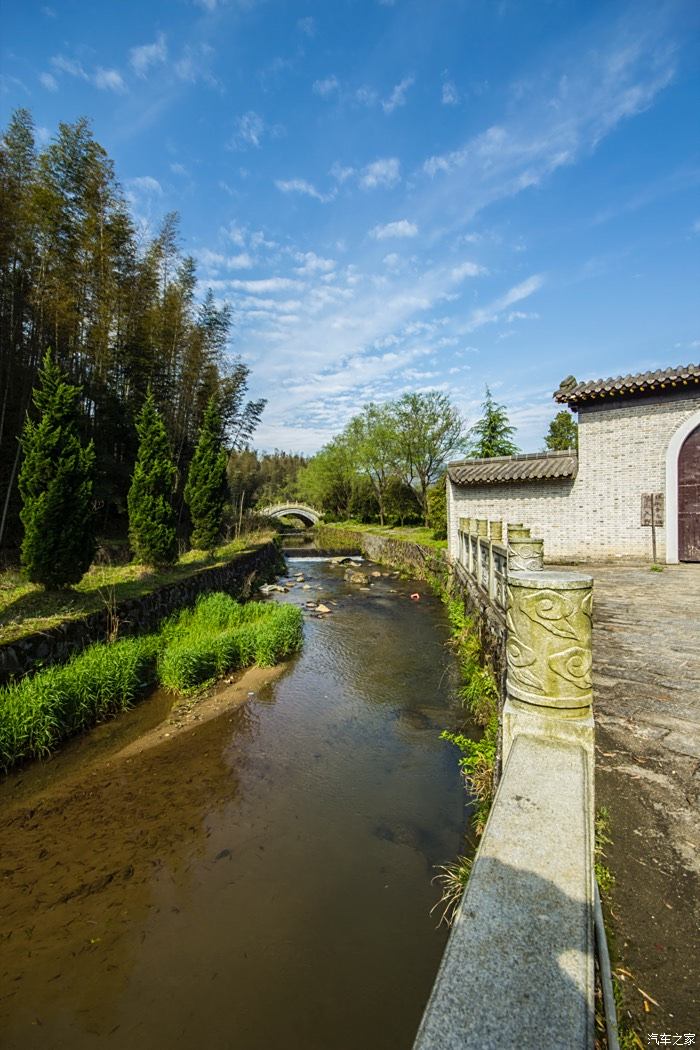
x,y
26,607
191,650
412,533
41,710
220,635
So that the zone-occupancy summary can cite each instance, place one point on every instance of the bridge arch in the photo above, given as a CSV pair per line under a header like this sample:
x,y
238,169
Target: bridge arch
x,y
309,515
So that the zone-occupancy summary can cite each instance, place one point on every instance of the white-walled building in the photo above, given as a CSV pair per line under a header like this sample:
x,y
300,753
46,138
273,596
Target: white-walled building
x,y
638,438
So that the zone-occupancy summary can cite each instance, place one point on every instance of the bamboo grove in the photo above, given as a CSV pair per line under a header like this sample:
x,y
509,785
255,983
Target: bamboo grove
x,y
119,308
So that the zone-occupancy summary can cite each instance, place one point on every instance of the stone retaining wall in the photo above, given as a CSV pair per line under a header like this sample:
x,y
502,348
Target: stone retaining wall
x,y
137,615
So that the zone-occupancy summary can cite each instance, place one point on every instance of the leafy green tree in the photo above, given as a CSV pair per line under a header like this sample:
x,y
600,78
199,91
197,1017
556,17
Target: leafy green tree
x,y
373,445
56,483
206,488
429,430
151,518
402,506
493,434
562,433
328,479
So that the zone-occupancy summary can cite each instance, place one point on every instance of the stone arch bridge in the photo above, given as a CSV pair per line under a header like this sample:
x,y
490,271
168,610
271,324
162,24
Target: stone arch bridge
x,y
309,515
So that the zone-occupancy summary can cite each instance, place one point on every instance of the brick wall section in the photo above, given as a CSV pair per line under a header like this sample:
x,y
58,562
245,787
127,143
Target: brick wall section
x,y
137,615
622,453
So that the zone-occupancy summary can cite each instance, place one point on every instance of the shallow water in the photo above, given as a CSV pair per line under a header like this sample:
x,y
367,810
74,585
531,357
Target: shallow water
x,y
263,880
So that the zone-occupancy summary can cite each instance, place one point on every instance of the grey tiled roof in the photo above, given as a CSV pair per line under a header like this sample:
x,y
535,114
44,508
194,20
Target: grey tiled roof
x,y
537,466
665,380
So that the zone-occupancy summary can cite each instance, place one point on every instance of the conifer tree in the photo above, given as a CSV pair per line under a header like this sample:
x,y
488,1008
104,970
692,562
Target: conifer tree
x,y
493,434
562,433
206,488
55,483
151,517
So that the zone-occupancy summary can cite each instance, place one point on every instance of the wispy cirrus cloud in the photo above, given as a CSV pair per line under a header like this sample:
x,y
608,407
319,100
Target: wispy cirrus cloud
x,y
48,80
109,80
397,97
101,78
303,187
143,57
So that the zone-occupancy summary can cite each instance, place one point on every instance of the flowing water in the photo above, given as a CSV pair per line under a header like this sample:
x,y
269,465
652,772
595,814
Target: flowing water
x,y
259,881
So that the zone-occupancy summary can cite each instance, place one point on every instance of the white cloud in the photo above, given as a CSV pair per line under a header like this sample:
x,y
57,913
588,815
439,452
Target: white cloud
x,y
307,26
400,228
302,186
398,95
146,184
696,226
466,269
341,173
144,56
326,87
269,284
313,263
217,261
450,95
109,80
49,81
179,169
366,96
69,66
250,129
491,313
383,172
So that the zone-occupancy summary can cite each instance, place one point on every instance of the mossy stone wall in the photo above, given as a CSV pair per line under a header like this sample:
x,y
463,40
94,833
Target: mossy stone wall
x,y
137,615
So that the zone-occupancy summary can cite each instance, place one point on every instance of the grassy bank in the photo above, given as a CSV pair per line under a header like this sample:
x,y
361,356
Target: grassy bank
x,y
191,650
412,533
26,607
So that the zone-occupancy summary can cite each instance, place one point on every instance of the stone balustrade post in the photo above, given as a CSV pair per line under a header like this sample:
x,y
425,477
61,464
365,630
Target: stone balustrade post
x,y
496,531
525,554
549,659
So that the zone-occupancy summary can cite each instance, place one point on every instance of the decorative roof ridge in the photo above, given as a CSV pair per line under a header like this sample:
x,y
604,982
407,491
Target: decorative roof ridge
x,y
573,393
517,457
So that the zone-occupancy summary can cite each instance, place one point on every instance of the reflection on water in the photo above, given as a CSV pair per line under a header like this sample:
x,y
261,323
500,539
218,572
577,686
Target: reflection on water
x,y
261,881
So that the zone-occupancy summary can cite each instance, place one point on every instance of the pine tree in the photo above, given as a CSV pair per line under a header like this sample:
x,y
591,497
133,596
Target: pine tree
x,y
206,488
55,483
562,433
151,518
492,435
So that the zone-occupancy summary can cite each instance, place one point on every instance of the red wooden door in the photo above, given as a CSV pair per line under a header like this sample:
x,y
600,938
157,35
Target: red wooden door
x,y
689,498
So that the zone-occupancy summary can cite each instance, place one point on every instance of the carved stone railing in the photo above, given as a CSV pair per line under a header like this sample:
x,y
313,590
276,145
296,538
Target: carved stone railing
x,y
484,557
532,881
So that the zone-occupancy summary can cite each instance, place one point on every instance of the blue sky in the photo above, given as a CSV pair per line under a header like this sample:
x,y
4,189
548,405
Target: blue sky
x,y
402,195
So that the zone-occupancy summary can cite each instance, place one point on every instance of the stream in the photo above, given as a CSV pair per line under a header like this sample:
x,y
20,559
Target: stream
x,y
258,879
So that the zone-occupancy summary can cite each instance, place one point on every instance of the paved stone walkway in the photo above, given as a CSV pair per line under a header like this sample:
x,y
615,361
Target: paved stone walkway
x,y
646,678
